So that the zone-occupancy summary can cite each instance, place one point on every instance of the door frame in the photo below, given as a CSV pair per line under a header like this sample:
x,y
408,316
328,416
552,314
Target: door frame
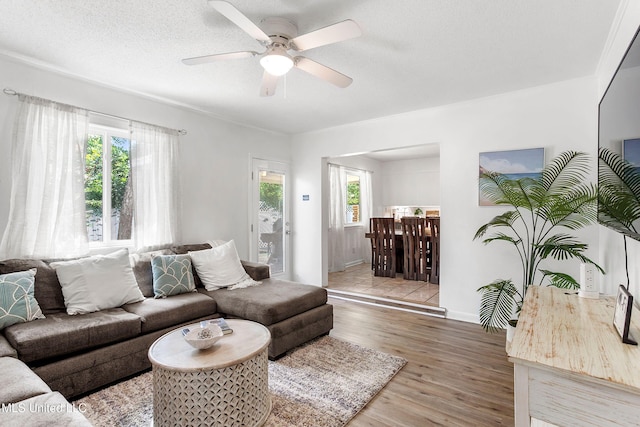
x,y
275,165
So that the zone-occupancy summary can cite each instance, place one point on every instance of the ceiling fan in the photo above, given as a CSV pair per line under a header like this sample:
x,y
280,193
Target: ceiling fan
x,y
279,37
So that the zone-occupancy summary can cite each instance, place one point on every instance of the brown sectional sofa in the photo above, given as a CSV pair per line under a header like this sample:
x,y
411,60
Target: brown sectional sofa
x,y
74,355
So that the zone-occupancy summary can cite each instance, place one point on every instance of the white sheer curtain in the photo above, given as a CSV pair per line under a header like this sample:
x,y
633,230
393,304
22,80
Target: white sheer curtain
x,y
337,209
366,202
155,179
47,206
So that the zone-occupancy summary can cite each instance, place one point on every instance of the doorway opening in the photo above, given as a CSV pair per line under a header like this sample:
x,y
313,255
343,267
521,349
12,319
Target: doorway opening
x,y
404,181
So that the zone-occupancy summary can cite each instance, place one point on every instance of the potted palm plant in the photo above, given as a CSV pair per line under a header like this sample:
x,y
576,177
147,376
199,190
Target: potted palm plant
x,y
544,212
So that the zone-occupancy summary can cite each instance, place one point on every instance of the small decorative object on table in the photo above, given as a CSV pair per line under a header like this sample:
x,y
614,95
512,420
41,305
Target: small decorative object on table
x,y
622,315
222,324
203,337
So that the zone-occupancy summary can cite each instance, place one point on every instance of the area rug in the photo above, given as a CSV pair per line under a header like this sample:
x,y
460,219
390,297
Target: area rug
x,y
323,383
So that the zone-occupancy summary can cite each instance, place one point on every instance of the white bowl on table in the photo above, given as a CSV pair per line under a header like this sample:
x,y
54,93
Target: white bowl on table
x,y
204,336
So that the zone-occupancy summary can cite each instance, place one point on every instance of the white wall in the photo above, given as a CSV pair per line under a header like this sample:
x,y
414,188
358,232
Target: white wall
x,y
413,182
558,117
611,251
215,155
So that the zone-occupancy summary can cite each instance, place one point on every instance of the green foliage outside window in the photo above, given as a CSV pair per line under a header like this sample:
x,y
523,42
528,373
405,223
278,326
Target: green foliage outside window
x,y
120,168
93,174
120,190
271,195
353,193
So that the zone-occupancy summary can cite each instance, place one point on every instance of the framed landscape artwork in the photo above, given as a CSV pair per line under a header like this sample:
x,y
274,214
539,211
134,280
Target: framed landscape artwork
x,y
514,164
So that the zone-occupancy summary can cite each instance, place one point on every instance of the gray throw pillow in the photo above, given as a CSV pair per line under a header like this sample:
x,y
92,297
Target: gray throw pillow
x,y
172,275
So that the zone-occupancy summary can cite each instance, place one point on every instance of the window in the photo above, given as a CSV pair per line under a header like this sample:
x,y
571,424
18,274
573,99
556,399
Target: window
x,y
353,214
108,192
92,191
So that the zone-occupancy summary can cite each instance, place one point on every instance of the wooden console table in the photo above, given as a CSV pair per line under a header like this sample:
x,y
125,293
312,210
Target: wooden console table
x,y
570,366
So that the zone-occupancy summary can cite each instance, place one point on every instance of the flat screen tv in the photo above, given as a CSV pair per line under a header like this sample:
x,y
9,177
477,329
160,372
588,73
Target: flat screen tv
x,y
619,147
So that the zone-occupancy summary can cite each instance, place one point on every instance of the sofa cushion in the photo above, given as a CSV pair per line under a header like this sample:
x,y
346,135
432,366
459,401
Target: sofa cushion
x,y
19,382
17,303
50,409
48,292
60,334
98,282
141,264
172,275
269,303
163,312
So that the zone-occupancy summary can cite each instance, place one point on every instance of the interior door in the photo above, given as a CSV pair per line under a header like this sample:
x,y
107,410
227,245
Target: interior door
x,y
270,225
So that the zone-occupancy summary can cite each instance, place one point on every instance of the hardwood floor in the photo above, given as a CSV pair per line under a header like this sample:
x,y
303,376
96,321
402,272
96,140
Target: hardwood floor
x,y
360,279
456,375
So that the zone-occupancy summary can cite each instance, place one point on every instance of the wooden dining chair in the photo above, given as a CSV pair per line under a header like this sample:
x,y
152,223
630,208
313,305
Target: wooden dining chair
x,y
385,247
434,227
373,244
415,241
410,226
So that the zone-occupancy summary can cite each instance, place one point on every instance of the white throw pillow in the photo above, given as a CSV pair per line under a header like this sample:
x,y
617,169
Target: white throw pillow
x,y
220,267
98,282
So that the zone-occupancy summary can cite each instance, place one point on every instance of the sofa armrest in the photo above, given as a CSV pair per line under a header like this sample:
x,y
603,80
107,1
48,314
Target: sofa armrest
x,y
256,270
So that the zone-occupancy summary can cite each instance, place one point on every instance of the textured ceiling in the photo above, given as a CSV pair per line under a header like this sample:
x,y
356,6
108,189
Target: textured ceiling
x,y
413,54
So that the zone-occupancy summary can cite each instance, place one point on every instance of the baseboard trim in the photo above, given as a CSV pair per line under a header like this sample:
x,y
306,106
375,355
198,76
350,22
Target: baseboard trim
x,y
410,307
352,263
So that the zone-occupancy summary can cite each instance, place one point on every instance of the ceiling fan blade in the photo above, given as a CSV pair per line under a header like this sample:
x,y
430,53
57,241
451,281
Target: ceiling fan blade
x,y
322,72
269,83
234,15
344,30
218,57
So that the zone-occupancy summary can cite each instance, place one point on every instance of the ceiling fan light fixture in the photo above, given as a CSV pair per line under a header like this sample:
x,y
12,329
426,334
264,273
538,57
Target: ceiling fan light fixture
x,y
277,62
279,36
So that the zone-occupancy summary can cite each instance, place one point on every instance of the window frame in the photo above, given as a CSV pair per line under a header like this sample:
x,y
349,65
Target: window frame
x,y
106,133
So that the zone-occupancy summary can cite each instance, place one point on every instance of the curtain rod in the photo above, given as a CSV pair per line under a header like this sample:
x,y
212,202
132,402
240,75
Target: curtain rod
x,y
349,167
11,92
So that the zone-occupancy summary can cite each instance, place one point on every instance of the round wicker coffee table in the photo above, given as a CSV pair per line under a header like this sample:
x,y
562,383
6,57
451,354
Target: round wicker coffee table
x,y
226,385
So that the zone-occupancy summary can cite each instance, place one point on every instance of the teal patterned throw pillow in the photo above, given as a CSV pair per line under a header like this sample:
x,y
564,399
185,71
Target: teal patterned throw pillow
x,y
17,303
172,275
